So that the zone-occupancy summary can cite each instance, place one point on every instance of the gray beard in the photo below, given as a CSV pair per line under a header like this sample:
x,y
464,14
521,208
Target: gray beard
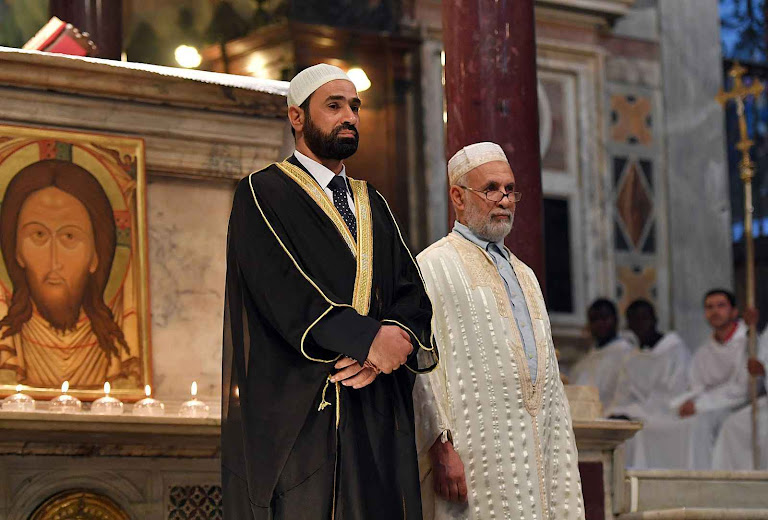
x,y
483,227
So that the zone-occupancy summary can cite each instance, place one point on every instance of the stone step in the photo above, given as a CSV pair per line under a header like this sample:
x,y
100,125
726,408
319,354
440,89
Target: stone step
x,y
669,492
702,513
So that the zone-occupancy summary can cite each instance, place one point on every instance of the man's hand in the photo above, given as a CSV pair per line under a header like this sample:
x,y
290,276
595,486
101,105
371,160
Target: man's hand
x,y
390,348
448,472
687,408
350,373
755,367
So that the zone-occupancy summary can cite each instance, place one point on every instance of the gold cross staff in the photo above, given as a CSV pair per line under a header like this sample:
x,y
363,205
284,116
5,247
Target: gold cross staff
x,y
738,93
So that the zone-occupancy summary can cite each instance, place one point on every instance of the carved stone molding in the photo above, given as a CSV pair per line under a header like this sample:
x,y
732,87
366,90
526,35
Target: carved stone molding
x,y
157,85
126,436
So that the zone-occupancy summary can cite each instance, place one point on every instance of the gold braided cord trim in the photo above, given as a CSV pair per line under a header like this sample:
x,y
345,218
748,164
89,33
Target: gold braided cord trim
x,y
306,333
531,292
416,265
540,470
426,370
405,328
307,278
361,298
308,184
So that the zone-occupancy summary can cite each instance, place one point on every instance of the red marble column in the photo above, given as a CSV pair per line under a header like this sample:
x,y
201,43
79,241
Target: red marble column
x,y
102,19
491,95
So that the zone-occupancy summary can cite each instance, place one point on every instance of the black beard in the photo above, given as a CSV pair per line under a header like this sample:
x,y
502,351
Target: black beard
x,y
330,146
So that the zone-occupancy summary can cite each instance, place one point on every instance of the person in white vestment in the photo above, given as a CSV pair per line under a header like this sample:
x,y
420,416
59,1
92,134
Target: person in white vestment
x,y
717,385
733,448
494,432
652,374
600,365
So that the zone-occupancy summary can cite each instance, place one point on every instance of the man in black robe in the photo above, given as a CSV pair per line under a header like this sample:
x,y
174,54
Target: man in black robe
x,y
327,323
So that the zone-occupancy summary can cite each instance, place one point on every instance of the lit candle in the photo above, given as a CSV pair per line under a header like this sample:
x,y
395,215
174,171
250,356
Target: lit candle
x,y
18,402
65,403
107,405
193,407
149,407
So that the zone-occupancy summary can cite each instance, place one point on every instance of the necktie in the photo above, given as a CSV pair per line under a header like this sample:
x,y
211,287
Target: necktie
x,y
339,188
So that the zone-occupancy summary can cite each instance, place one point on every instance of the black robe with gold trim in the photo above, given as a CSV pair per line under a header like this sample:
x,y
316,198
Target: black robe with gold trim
x,y
301,293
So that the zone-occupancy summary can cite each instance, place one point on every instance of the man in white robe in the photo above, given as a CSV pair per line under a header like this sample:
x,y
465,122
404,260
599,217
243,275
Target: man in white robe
x,y
653,373
600,365
494,431
733,448
717,385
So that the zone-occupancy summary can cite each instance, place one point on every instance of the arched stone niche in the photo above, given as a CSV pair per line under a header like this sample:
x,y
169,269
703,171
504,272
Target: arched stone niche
x,y
37,498
80,504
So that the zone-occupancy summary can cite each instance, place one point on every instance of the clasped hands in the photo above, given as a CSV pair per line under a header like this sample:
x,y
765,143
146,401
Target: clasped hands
x,y
390,349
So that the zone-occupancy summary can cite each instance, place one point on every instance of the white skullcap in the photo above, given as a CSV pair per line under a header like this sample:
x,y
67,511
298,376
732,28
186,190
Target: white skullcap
x,y
472,156
311,79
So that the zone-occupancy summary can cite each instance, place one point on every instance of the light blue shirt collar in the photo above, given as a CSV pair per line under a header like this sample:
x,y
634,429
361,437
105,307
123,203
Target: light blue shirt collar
x,y
467,233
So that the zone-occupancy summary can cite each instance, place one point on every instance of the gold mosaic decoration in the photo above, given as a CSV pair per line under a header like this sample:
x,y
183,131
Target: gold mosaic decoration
x,y
79,505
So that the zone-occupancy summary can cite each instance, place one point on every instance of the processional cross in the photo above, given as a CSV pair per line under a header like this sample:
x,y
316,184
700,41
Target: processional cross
x,y
738,93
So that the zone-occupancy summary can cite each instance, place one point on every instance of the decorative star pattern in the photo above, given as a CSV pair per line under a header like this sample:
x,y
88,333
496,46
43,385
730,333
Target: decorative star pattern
x,y
195,503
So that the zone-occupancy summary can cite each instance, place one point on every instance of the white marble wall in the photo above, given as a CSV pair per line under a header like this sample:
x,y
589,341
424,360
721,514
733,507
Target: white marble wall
x,y
187,223
699,206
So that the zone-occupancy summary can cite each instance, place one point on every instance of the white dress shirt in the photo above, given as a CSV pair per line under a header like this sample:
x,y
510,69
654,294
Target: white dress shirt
x,y
323,176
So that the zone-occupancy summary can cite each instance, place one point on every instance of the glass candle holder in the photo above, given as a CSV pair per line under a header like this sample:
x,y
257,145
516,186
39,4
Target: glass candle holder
x,y
18,402
194,408
65,403
149,407
107,405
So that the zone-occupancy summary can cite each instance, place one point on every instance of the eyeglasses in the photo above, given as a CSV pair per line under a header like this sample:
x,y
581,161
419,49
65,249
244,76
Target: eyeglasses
x,y
497,196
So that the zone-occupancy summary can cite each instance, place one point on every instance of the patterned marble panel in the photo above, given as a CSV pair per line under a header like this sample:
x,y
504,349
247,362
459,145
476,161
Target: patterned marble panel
x,y
633,283
631,120
634,204
639,195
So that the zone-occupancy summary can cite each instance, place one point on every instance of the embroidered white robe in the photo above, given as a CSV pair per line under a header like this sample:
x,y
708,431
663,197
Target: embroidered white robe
x,y
648,381
733,448
600,368
514,438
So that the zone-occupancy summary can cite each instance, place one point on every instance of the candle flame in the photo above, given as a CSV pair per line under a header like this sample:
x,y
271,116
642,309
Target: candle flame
x,y
18,389
106,387
194,388
64,387
147,390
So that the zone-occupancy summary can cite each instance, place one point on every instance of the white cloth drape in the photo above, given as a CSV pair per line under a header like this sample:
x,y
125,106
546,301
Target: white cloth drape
x,y
733,449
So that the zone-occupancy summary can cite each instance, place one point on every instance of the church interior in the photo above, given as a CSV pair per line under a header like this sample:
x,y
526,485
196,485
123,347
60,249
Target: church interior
x,y
628,131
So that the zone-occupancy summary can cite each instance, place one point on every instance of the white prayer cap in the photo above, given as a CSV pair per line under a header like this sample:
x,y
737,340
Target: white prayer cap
x,y
472,156
311,79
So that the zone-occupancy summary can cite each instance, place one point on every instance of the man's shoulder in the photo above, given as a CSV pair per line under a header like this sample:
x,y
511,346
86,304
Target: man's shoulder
x,y
268,178
270,171
671,342
438,249
618,346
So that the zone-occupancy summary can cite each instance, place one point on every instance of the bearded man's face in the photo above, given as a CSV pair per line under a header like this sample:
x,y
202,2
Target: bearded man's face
x,y
330,125
491,221
55,247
